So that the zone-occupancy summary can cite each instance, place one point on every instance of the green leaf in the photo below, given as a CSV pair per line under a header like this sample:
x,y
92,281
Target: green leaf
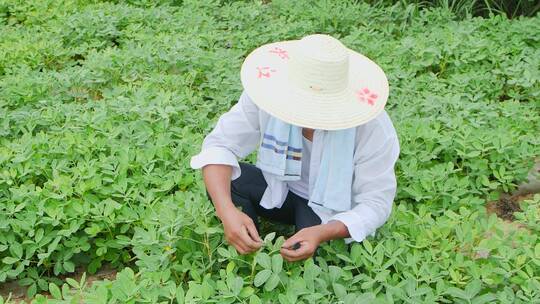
x,y
110,206
264,260
272,282
42,284
72,283
344,257
335,273
69,266
9,260
58,268
246,292
55,291
367,246
31,291
339,290
368,284
17,250
237,284
269,237
180,295
94,266
26,281
230,267
39,235
83,279
473,288
261,277
485,298
253,299
277,263
102,293
223,252
457,293
66,291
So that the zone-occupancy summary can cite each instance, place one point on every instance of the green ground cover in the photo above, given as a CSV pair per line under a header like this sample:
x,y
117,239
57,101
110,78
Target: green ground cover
x,y
103,103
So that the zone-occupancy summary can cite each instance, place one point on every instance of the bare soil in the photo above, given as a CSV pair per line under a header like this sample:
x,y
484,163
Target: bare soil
x,y
506,206
504,209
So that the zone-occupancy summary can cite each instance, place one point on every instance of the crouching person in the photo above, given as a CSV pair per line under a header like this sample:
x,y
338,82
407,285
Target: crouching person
x,y
314,111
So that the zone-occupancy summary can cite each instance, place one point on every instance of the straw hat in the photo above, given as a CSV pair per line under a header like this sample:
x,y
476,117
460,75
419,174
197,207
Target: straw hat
x,y
315,82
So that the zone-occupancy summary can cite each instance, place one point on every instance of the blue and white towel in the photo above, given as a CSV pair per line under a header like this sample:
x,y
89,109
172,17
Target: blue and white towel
x,y
280,158
281,150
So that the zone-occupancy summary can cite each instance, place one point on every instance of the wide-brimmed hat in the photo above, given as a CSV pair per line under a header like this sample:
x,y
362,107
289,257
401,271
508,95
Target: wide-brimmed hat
x,y
315,82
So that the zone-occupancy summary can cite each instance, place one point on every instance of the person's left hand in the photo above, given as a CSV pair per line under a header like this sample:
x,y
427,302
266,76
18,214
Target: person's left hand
x,y
308,238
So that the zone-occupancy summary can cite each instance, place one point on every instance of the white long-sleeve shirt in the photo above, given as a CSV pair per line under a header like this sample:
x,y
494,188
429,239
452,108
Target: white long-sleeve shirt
x,y
238,132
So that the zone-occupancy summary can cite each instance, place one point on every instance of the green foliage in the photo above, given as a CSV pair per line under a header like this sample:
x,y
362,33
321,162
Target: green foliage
x,y
485,8
103,103
530,216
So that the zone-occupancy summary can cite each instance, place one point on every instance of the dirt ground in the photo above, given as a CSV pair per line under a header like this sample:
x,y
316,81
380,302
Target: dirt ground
x,y
504,209
506,206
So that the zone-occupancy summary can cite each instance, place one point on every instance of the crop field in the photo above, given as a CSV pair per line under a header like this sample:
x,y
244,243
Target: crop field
x,y
102,104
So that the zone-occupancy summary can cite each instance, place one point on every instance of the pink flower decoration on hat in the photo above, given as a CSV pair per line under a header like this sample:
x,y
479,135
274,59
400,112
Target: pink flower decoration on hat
x,y
265,72
365,95
280,52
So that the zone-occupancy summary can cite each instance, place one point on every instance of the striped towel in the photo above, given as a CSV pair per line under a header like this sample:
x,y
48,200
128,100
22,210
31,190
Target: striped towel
x,y
280,159
280,153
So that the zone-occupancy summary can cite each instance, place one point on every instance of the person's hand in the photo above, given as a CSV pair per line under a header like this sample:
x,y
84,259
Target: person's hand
x,y
240,231
302,245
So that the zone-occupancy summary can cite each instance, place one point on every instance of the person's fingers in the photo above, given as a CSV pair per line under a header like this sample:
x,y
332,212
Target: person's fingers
x,y
289,258
240,247
286,254
247,241
252,230
296,259
294,255
289,243
233,239
301,253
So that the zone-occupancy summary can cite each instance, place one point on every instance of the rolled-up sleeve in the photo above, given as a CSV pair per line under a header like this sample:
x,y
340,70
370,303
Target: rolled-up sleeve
x,y
374,185
235,135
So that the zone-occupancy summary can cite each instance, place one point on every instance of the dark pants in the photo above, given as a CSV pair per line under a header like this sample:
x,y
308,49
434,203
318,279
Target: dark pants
x,y
247,191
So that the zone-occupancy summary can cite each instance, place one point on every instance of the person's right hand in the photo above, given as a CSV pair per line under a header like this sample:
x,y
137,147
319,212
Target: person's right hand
x,y
240,231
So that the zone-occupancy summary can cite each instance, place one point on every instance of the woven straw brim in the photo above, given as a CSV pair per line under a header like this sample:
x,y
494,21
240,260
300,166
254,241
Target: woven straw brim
x,y
265,79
